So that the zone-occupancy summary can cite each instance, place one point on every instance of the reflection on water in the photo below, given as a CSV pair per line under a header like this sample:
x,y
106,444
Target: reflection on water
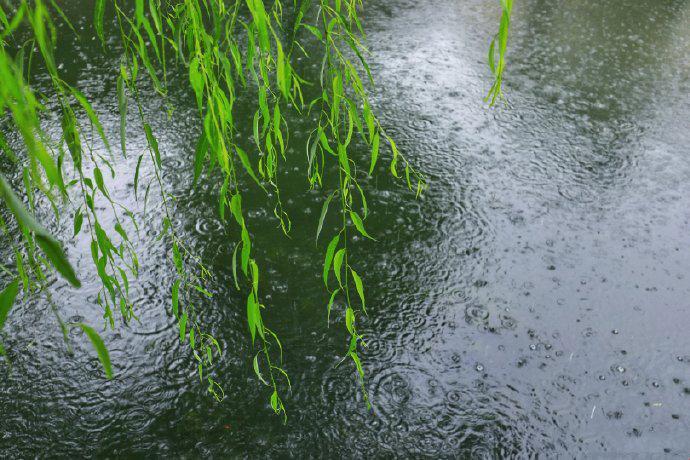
x,y
535,300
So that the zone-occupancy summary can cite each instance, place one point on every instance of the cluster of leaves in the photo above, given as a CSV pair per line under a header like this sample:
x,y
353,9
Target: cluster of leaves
x,y
226,48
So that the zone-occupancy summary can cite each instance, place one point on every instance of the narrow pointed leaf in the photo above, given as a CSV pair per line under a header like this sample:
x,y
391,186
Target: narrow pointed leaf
x,y
359,287
329,257
45,240
359,225
324,211
101,350
7,298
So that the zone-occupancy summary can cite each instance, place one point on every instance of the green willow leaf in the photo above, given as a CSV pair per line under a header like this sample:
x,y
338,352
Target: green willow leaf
x,y
45,240
234,266
122,106
394,161
342,158
153,143
256,370
136,176
374,152
7,298
183,326
101,350
247,165
176,298
78,221
329,257
324,210
330,305
253,317
359,225
98,177
177,258
359,287
274,401
86,105
98,13
338,263
350,320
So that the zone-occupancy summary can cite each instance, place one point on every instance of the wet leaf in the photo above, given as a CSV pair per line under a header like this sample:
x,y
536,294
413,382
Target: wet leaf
x,y
45,240
324,211
337,264
329,257
7,298
359,287
101,349
175,298
359,225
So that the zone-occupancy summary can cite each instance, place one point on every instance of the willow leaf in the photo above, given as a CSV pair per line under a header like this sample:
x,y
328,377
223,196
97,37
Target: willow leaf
x,y
330,305
7,298
359,287
45,240
338,263
101,350
176,298
329,257
324,211
374,152
98,13
122,106
359,225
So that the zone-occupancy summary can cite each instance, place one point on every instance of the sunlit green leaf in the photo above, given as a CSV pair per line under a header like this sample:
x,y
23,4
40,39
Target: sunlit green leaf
x,y
359,225
329,257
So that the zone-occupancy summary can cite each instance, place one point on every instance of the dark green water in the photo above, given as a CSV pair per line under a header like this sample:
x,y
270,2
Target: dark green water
x,y
535,301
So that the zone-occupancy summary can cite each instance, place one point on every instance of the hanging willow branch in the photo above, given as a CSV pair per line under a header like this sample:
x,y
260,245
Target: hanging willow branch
x,y
226,47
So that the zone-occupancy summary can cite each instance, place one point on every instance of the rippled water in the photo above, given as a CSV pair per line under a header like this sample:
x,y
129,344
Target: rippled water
x,y
535,300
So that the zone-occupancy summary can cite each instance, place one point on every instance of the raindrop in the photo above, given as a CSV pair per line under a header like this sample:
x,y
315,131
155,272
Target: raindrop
x,y
480,367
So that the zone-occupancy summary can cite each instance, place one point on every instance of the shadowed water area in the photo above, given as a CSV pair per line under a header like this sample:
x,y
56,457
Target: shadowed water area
x,y
536,299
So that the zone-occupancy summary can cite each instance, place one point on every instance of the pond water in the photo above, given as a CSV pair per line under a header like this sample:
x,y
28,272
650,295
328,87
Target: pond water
x,y
535,300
